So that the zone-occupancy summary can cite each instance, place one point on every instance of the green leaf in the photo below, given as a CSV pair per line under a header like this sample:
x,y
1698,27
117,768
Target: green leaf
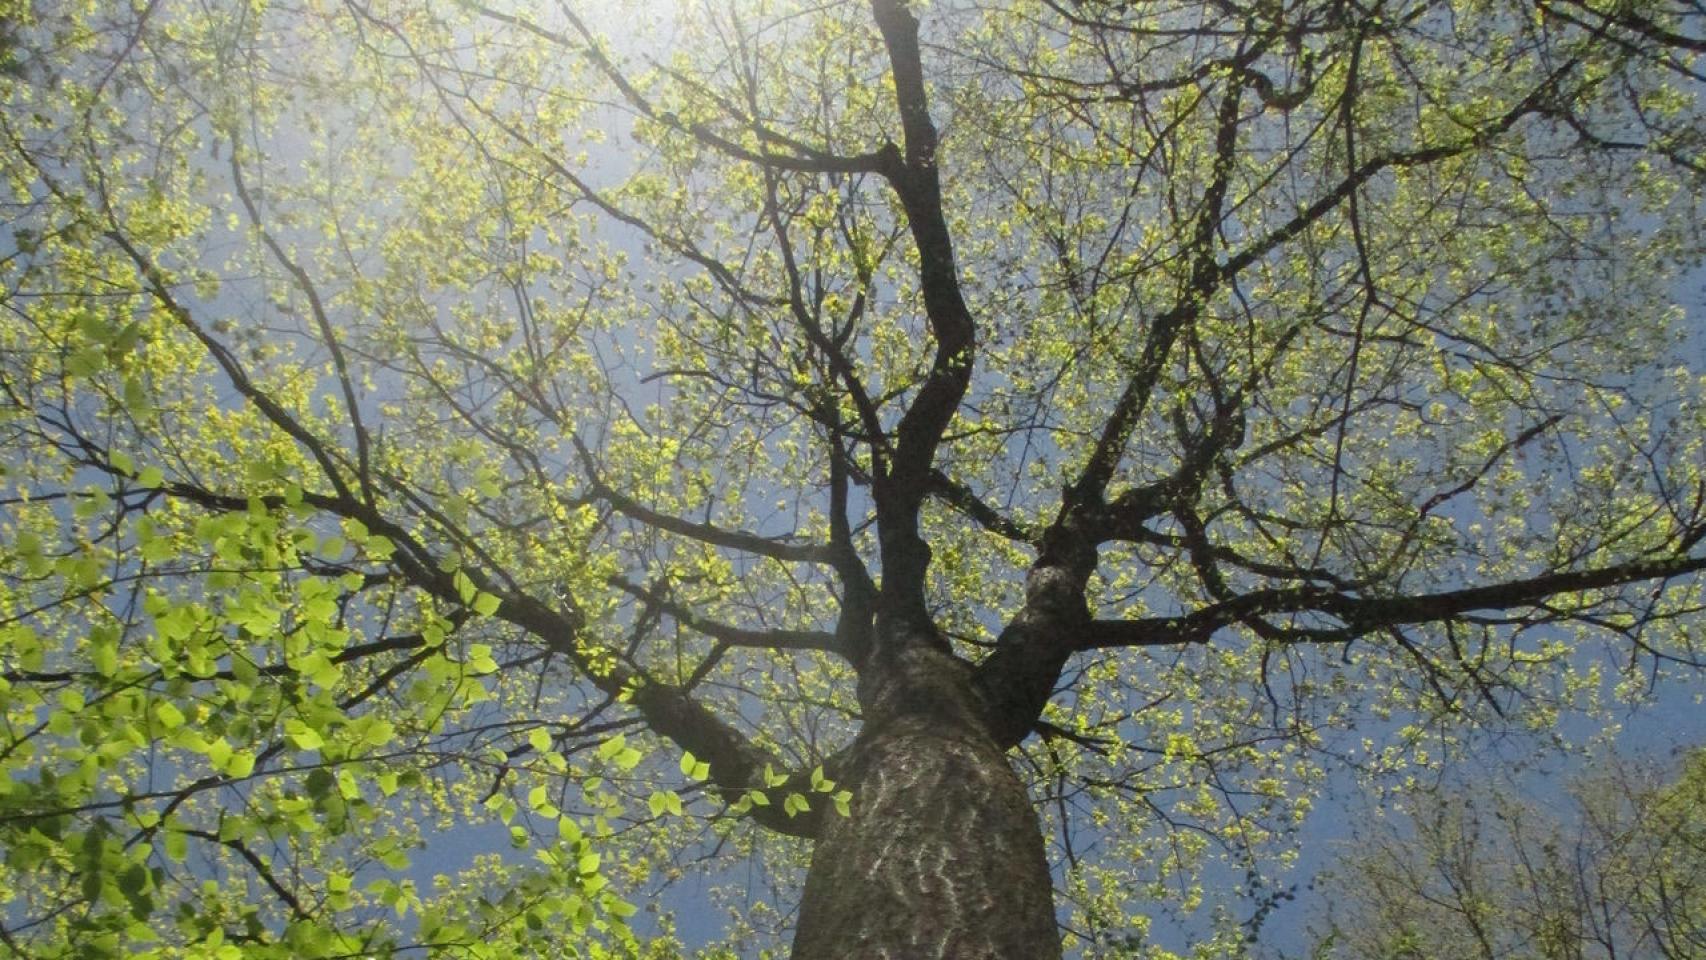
x,y
379,733
664,801
169,715
126,339
304,736
136,399
104,657
465,588
693,768
241,764
219,752
480,659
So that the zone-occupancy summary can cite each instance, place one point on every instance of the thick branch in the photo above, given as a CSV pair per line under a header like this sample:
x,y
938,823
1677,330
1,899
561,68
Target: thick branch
x,y
961,498
1363,615
1624,15
914,175
1202,284
1018,678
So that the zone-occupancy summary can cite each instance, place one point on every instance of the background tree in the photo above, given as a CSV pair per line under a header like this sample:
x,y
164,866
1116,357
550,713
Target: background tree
x,y
985,448
1470,871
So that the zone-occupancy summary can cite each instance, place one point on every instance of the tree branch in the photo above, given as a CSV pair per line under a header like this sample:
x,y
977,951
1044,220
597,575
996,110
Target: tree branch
x,y
916,180
726,633
702,532
803,158
1363,615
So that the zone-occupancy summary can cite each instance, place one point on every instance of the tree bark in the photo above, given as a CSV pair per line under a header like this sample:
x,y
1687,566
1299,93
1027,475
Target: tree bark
x,y
942,856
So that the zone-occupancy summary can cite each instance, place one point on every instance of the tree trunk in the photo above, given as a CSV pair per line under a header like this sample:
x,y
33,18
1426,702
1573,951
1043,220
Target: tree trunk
x,y
942,857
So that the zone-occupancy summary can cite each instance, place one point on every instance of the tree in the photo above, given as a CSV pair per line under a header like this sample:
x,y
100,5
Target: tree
x,y
1478,872
1000,446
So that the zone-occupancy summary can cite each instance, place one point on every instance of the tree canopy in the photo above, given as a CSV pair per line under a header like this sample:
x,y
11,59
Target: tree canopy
x,y
1476,871
607,434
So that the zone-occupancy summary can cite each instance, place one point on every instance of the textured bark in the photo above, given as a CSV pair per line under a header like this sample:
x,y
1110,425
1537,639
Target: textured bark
x,y
942,857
